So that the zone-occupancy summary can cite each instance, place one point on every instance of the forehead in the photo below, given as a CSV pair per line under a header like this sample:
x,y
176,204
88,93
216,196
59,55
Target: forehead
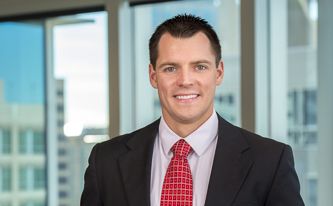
x,y
198,37
196,45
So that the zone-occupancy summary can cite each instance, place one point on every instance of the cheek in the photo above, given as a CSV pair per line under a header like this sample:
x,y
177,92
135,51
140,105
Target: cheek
x,y
163,91
209,88
209,82
165,87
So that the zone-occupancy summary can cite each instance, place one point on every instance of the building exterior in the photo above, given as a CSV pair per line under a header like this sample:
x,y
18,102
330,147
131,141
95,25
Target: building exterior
x,y
22,154
73,153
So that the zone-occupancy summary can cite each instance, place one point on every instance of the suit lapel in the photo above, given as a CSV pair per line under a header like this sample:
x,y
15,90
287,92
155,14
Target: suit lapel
x,y
135,166
232,163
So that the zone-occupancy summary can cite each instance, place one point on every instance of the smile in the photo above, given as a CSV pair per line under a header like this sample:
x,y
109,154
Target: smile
x,y
186,97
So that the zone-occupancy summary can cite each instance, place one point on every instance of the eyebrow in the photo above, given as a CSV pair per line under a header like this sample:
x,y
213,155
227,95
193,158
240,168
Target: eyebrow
x,y
192,63
201,61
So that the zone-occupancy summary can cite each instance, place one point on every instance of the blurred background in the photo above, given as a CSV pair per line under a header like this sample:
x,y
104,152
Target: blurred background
x,y
75,73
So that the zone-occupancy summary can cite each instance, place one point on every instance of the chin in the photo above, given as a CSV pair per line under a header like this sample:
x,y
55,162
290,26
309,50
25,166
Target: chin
x,y
187,119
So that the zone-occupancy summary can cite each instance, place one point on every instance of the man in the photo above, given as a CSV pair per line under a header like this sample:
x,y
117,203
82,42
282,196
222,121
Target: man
x,y
191,156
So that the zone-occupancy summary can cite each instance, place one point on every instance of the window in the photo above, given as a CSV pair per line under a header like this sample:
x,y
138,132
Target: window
x,y
31,142
26,178
62,166
63,180
22,106
62,152
80,92
25,137
292,78
63,194
5,141
39,178
71,51
310,105
38,143
5,179
32,178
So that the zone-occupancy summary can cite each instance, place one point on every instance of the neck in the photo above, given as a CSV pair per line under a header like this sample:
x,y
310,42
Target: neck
x,y
184,128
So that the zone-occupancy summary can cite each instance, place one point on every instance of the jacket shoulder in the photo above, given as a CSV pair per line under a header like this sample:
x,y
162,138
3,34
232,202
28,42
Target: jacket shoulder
x,y
260,142
121,143
265,150
262,148
252,140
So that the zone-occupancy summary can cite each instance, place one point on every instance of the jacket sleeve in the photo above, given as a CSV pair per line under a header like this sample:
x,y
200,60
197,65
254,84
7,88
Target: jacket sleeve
x,y
91,194
285,190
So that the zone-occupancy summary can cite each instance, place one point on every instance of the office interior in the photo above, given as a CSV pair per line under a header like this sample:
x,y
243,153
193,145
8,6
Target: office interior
x,y
75,73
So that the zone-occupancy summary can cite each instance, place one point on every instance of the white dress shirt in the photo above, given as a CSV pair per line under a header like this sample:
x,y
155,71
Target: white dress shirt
x,y
203,142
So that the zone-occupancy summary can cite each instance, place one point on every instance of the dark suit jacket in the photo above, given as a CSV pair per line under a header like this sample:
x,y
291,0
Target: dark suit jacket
x,y
248,170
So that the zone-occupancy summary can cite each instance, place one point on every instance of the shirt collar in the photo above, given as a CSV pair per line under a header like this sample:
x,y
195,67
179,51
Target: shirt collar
x,y
199,140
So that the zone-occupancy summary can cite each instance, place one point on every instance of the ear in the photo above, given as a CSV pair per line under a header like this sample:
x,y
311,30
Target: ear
x,y
152,76
220,73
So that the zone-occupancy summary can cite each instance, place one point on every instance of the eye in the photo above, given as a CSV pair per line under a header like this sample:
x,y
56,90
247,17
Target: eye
x,y
201,67
169,69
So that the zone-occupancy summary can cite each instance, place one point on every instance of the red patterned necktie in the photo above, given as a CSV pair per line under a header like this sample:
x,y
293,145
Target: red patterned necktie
x,y
177,188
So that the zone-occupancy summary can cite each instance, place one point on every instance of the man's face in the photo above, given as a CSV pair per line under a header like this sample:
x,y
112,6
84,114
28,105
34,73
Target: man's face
x,y
186,76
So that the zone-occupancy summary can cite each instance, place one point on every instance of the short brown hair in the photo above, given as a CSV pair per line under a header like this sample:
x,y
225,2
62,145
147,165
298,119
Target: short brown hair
x,y
184,26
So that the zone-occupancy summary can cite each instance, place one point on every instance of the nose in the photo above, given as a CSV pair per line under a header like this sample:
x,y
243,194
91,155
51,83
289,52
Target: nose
x,y
185,78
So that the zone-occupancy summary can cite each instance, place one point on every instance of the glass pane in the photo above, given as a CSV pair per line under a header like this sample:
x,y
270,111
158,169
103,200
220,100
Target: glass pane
x,y
299,87
22,106
81,81
147,17
5,178
302,90
39,178
5,141
38,143
23,178
26,141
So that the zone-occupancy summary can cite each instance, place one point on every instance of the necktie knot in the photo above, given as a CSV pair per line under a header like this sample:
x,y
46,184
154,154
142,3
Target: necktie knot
x,y
181,148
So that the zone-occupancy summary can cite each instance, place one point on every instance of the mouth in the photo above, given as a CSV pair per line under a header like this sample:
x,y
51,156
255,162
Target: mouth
x,y
186,97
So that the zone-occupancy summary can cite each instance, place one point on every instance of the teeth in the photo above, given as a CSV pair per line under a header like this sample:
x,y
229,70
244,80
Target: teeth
x,y
186,96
